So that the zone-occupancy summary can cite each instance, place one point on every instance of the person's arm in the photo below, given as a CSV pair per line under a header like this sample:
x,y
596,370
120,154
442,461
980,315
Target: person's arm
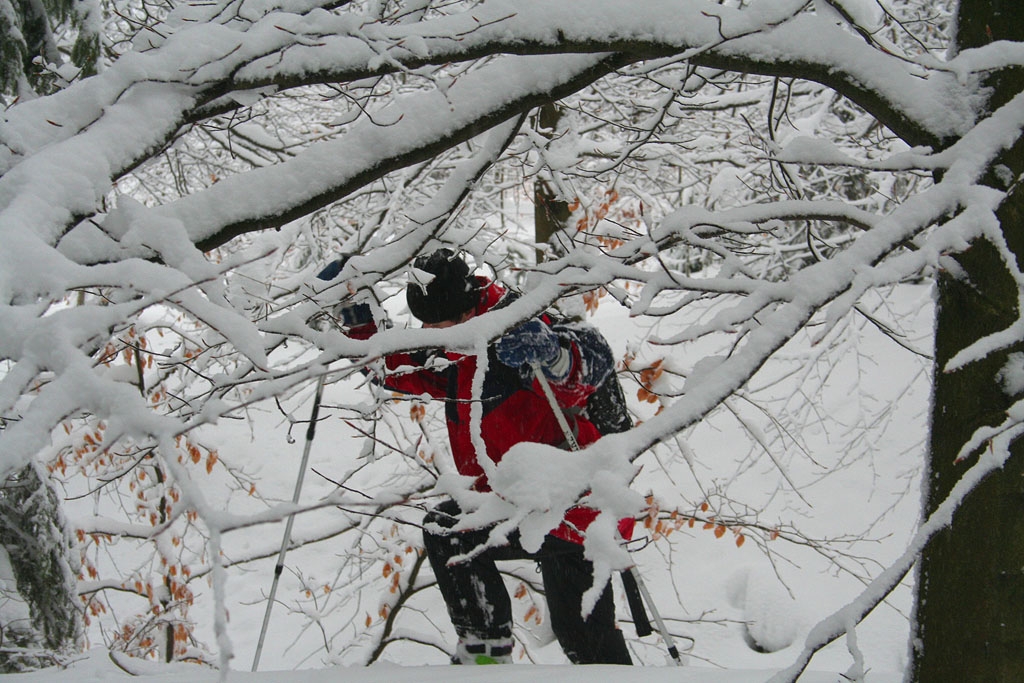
x,y
355,320
404,372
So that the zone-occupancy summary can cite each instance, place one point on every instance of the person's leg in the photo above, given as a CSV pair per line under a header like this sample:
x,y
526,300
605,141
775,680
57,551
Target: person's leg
x,y
473,590
567,575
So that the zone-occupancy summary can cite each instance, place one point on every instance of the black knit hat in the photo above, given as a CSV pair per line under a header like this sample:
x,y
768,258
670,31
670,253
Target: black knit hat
x,y
452,292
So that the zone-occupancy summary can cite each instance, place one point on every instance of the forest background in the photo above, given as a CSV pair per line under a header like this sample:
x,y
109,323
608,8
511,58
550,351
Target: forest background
x,y
758,202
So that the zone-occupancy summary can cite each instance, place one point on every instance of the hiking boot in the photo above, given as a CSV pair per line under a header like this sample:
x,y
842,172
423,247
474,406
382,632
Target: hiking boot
x,y
483,651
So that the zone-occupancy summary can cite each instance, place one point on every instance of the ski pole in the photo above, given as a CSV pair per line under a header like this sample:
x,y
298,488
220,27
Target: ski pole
x,y
641,623
286,539
670,642
555,408
549,393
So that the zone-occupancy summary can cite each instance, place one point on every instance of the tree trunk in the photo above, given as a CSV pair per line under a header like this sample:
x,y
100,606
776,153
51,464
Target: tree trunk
x,y
969,614
550,214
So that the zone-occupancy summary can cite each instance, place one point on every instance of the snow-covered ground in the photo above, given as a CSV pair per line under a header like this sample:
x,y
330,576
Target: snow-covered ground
x,y
849,477
98,667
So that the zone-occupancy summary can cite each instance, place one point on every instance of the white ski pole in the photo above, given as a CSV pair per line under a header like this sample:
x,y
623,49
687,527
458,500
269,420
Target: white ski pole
x,y
286,539
670,642
549,393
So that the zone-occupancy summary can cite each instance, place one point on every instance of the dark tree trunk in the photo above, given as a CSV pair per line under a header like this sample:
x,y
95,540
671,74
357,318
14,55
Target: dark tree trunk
x,y
969,616
550,213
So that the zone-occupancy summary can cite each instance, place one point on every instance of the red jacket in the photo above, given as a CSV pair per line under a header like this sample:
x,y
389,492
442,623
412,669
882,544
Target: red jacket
x,y
515,407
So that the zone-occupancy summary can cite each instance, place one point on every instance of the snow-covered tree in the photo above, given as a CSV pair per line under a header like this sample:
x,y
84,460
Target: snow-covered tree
x,y
971,569
47,44
34,553
770,164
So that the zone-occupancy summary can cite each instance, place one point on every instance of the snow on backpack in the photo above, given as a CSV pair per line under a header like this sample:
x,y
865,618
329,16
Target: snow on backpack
x,y
606,407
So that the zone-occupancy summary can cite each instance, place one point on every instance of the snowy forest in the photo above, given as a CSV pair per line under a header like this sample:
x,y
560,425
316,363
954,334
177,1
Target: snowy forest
x,y
797,221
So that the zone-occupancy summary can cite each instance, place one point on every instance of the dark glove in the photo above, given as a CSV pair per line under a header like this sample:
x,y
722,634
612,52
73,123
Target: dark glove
x,y
353,315
333,268
348,315
532,342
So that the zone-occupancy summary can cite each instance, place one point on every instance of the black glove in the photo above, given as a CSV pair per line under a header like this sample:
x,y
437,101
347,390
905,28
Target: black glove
x,y
348,315
353,315
332,269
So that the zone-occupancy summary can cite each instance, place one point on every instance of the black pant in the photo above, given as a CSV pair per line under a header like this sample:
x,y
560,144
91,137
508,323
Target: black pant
x,y
479,605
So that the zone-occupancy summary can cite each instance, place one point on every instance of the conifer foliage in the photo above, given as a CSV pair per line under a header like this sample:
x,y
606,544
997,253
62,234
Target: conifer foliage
x,y
36,548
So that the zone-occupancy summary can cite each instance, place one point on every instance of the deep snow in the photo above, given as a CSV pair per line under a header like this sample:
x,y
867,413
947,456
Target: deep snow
x,y
707,586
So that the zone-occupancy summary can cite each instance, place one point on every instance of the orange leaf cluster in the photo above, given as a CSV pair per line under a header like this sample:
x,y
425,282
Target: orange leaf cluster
x,y
182,635
651,514
650,374
88,451
532,613
585,222
648,377
180,591
610,242
646,395
663,526
109,353
96,608
391,571
592,299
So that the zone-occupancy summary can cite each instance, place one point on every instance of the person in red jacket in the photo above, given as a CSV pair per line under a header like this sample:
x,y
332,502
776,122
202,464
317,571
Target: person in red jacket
x,y
515,410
